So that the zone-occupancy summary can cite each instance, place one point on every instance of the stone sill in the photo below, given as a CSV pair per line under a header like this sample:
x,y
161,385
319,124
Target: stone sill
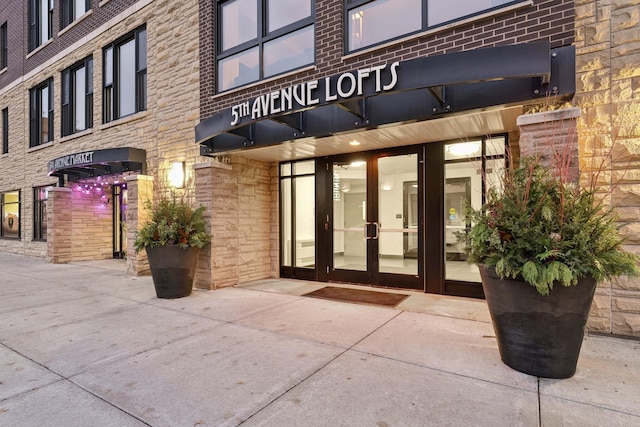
x,y
212,164
548,116
39,48
40,147
76,22
127,119
76,135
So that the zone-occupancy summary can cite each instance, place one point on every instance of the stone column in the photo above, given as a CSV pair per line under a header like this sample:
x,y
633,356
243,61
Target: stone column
x,y
552,137
59,225
217,189
139,190
607,73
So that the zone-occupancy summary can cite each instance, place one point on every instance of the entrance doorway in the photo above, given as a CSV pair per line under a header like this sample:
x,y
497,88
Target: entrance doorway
x,y
119,197
374,212
394,218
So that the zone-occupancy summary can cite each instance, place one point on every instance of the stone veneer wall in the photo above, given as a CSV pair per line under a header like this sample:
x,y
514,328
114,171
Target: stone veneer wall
x,y
92,226
139,189
608,92
240,211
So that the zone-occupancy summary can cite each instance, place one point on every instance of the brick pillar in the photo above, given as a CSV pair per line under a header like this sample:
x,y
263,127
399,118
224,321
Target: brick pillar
x,y
552,138
139,190
217,189
59,220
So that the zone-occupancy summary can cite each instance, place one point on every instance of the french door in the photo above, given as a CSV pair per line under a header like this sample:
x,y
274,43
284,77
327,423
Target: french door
x,y
374,222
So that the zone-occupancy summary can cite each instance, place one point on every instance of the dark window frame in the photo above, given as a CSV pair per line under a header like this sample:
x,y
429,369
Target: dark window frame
x,y
263,37
5,130
68,97
35,22
110,98
4,46
68,13
3,205
351,4
35,106
39,212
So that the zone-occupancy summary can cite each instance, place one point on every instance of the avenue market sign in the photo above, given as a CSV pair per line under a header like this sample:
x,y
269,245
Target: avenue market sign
x,y
380,78
71,160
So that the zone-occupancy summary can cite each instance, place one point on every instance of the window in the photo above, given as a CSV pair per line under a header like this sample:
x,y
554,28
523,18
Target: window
x,y
125,76
5,130
40,195
471,167
372,22
77,97
3,46
263,38
297,207
70,10
40,22
41,114
10,212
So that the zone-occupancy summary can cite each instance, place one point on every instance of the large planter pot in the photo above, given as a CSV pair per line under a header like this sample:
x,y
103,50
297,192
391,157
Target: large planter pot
x,y
537,334
173,270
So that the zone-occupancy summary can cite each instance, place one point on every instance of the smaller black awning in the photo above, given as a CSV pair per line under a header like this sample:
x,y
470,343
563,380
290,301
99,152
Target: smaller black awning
x,y
95,163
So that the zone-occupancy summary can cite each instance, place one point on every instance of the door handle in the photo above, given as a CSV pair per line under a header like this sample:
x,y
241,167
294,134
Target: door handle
x,y
377,231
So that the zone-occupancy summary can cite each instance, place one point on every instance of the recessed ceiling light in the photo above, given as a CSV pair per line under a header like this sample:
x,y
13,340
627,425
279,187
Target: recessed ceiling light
x,y
354,143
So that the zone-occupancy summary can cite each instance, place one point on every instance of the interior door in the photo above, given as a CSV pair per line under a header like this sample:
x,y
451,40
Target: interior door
x,y
376,211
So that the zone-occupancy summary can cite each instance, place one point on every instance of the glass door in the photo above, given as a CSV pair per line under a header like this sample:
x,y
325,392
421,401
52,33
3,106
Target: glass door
x,y
119,197
375,217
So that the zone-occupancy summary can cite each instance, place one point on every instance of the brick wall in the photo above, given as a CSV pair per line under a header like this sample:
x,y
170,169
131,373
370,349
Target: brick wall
x,y
544,20
608,72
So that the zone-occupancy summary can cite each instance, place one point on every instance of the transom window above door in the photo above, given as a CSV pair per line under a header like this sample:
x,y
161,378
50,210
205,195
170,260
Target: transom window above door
x,y
371,22
263,38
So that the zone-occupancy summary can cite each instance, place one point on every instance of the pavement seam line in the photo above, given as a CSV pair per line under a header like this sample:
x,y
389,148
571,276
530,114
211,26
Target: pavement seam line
x,y
70,381
539,404
317,370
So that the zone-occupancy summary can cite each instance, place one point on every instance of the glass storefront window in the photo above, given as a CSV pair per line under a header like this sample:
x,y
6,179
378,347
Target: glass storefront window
x,y
468,175
297,211
10,211
40,196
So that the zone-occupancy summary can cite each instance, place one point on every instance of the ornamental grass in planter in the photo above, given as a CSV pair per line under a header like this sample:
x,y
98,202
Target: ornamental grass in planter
x,y
542,244
171,237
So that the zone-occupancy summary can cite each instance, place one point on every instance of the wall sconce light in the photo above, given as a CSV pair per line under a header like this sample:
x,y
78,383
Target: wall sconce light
x,y
176,175
104,199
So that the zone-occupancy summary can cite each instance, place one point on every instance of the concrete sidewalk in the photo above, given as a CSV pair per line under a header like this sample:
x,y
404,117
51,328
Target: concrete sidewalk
x,y
85,345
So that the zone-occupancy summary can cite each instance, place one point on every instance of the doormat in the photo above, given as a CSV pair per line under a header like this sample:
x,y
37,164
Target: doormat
x,y
359,296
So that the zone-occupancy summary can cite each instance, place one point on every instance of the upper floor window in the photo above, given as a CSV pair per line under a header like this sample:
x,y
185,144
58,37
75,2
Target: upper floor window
x,y
263,38
70,10
125,76
4,46
77,97
40,22
5,130
375,21
10,213
41,113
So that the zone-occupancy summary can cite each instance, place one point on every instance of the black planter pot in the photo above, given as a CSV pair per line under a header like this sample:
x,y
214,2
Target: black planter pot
x,y
538,335
173,270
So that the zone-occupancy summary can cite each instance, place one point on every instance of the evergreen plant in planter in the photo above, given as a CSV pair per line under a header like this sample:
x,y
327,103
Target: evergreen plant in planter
x,y
542,245
171,237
